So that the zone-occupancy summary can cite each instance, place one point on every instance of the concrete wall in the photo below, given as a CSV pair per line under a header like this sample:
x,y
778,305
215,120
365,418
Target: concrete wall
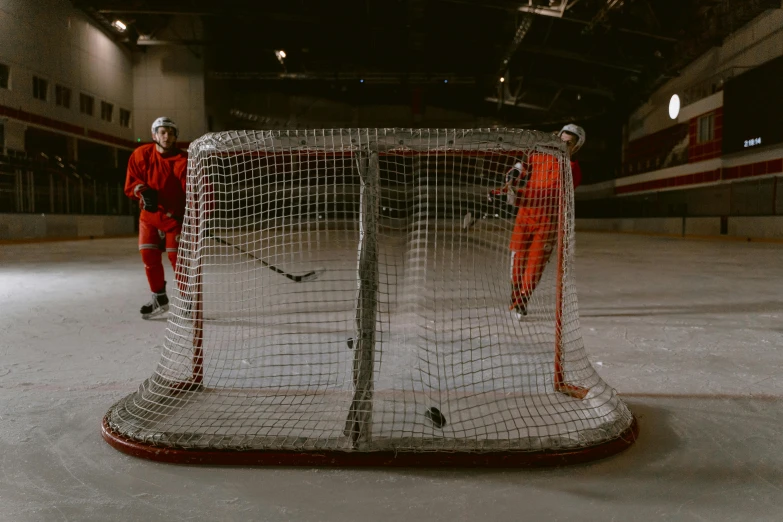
x,y
54,41
672,226
48,226
759,227
168,80
164,80
704,226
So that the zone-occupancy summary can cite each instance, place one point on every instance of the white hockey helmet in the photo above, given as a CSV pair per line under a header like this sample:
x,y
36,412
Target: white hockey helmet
x,y
577,131
164,121
518,166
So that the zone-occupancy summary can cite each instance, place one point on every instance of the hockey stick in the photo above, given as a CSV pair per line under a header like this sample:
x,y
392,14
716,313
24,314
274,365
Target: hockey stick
x,y
309,276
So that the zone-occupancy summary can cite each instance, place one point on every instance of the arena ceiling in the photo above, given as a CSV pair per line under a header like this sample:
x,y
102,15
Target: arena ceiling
x,y
601,57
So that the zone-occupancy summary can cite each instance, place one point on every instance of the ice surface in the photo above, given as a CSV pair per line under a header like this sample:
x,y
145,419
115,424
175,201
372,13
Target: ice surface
x,y
689,332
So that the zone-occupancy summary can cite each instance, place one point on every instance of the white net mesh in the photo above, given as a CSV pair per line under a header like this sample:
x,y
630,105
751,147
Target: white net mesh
x,y
371,289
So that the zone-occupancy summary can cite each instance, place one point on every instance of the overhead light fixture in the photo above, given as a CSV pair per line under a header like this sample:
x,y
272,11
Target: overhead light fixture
x,y
674,107
502,79
119,25
280,54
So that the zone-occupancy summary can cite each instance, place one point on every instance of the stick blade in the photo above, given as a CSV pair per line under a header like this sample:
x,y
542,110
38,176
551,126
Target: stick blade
x,y
309,276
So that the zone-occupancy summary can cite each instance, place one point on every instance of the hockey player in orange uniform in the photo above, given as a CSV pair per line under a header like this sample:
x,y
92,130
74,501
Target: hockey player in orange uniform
x,y
156,176
535,229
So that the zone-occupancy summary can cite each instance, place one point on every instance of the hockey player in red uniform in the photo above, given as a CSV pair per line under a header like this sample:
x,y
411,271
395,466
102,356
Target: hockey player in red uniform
x,y
535,228
156,176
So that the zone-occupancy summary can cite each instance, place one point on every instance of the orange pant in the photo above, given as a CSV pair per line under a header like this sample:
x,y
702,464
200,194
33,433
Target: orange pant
x,y
535,227
532,242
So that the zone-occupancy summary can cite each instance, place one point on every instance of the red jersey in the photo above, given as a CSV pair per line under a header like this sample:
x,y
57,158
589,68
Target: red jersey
x,y
166,174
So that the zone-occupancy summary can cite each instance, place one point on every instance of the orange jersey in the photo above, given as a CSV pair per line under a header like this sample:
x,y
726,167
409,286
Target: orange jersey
x,y
543,185
168,175
538,181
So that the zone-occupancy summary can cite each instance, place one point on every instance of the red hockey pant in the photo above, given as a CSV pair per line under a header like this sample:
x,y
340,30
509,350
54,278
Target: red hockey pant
x,y
158,233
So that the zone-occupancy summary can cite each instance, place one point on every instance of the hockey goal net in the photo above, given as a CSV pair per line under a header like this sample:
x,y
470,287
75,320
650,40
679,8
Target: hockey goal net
x,y
347,297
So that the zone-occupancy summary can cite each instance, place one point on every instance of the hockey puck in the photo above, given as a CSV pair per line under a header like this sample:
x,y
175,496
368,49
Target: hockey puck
x,y
436,417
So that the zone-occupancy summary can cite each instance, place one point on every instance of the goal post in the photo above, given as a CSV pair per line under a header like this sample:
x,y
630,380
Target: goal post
x,y
368,297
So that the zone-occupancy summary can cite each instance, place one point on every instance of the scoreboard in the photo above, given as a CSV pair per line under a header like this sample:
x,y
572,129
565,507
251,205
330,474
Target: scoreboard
x,y
753,108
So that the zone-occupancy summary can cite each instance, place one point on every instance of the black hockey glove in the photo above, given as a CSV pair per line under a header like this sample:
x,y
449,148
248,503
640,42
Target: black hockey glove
x,y
149,198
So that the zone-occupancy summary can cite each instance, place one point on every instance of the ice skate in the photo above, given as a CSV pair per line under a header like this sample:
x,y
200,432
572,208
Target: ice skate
x,y
519,308
157,306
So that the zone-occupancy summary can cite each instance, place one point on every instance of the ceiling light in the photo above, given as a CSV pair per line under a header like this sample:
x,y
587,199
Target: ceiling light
x,y
674,107
119,25
502,79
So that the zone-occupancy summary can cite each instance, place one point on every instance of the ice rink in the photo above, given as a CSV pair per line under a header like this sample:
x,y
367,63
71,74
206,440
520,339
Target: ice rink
x,y
689,332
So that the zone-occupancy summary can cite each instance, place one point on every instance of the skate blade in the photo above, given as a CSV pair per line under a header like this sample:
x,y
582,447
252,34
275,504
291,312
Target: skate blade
x,y
160,311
